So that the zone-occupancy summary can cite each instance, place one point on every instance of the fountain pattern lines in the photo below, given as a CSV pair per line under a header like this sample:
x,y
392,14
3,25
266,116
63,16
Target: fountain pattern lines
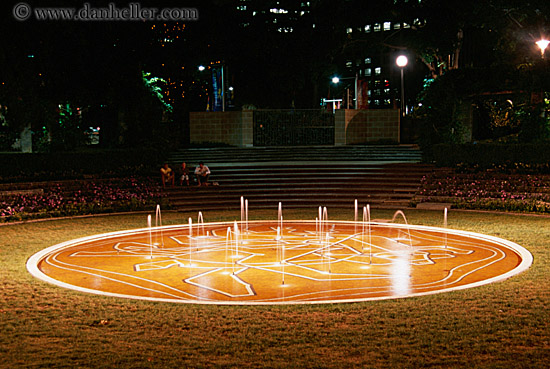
x,y
272,262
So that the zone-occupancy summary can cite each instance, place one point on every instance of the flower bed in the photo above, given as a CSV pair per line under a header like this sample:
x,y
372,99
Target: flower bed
x,y
86,197
487,190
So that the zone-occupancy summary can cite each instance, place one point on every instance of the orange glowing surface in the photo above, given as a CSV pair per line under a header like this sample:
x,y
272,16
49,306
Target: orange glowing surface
x,y
227,263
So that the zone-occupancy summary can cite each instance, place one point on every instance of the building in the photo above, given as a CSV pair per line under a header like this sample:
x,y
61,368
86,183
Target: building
x,y
283,16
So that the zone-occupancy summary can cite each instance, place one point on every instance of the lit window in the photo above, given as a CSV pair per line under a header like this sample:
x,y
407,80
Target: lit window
x,y
368,72
349,30
285,29
377,27
397,26
368,28
349,64
377,71
367,60
278,11
386,90
387,26
406,25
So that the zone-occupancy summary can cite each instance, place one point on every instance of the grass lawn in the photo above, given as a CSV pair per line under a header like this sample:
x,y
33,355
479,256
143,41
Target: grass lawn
x,y
503,325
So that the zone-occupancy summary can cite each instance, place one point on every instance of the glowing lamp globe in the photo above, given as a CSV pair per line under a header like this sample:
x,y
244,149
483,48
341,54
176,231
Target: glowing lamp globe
x,y
542,44
401,61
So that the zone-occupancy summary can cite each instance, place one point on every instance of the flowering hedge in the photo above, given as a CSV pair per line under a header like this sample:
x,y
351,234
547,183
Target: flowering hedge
x,y
77,165
85,197
487,190
489,155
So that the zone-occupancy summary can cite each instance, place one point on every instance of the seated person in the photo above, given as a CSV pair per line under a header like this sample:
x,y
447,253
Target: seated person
x,y
202,172
184,174
167,175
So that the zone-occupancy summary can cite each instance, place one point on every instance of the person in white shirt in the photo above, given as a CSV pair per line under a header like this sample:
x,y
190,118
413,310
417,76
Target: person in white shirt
x,y
202,172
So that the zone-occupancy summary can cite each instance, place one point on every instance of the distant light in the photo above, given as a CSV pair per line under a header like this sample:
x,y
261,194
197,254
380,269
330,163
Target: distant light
x,y
335,80
32,55
542,44
401,61
201,68
230,88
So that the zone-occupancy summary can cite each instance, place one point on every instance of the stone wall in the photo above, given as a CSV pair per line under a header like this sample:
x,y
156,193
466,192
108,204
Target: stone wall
x,y
351,127
232,128
367,126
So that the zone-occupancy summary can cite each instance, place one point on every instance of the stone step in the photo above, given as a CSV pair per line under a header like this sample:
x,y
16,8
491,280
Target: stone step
x,y
234,204
406,153
384,176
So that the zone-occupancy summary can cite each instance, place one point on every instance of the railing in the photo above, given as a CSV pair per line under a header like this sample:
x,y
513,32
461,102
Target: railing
x,y
293,128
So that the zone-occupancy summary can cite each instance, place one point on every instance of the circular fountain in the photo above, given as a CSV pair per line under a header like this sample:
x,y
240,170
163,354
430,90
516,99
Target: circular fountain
x,y
279,261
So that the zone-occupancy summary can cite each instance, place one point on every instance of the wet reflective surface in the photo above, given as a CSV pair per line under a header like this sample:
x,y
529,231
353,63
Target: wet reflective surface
x,y
300,262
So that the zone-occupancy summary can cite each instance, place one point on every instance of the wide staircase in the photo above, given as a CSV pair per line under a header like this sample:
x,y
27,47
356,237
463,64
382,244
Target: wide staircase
x,y
382,176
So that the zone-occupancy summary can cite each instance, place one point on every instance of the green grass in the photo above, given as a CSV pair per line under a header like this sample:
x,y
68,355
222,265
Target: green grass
x,y
502,325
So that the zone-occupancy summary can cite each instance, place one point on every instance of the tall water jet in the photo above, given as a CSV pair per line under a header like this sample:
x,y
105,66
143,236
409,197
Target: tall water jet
x,y
325,219
246,214
242,213
277,246
399,212
149,225
228,242
283,260
329,254
280,217
237,235
319,230
355,217
158,223
366,222
445,225
200,225
316,226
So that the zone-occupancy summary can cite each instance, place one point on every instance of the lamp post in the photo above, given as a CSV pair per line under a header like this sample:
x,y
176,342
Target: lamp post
x,y
402,62
337,80
542,44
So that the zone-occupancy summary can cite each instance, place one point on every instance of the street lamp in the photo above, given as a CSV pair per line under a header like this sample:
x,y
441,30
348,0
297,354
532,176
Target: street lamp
x,y
402,62
337,80
542,44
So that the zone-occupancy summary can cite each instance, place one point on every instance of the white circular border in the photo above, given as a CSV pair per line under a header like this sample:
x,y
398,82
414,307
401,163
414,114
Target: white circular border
x,y
526,262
